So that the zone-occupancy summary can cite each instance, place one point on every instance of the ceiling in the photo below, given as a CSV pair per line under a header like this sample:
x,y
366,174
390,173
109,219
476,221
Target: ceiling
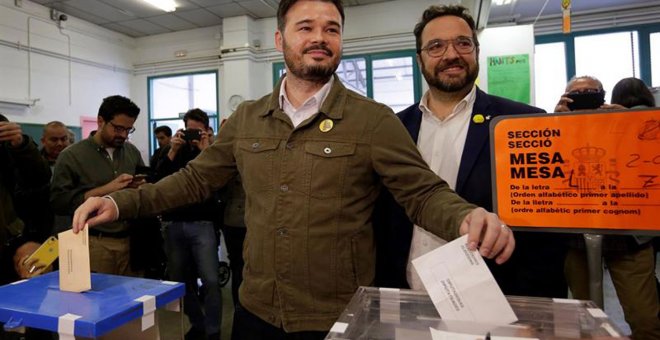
x,y
136,18
527,10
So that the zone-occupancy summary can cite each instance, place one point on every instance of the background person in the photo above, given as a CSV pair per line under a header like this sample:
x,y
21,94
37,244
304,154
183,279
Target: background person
x,y
451,128
163,135
99,165
191,241
629,259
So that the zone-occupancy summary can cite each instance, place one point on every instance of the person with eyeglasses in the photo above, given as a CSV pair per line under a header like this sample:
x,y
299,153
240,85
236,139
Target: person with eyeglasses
x,y
450,126
98,166
590,93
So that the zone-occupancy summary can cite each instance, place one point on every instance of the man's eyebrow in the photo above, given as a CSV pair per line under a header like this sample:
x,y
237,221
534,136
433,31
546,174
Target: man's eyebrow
x,y
309,21
304,21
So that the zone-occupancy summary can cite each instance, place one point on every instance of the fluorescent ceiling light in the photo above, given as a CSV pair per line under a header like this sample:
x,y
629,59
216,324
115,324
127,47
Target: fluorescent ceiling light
x,y
501,2
165,5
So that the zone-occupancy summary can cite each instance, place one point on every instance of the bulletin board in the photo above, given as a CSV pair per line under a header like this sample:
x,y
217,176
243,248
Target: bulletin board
x,y
593,170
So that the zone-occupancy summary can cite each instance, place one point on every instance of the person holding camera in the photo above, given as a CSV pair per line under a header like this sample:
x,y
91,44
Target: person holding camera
x,y
629,259
190,237
584,93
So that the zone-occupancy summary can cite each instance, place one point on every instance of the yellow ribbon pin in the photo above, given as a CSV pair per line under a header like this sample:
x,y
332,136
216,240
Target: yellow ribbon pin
x,y
326,125
478,119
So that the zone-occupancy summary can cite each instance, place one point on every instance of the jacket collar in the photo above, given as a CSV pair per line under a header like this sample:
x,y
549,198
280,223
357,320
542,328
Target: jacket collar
x,y
332,106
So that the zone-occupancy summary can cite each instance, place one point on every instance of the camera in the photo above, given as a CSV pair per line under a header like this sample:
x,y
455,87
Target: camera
x,y
190,135
586,100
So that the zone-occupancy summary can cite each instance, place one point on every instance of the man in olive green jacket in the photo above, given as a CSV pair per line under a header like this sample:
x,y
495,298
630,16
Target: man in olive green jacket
x,y
312,156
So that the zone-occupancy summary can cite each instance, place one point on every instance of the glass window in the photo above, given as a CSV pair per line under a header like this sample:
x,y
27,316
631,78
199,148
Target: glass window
x,y
655,56
549,74
391,78
353,74
171,96
394,83
609,57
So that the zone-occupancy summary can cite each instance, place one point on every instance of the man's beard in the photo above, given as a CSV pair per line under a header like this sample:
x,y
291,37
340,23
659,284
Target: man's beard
x,y
315,73
455,84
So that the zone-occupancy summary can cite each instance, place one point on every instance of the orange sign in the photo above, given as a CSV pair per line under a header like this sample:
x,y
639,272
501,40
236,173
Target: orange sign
x,y
595,170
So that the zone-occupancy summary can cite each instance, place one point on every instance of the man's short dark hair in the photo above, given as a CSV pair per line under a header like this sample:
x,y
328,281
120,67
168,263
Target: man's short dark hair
x,y
197,115
434,12
3,118
285,5
164,129
115,105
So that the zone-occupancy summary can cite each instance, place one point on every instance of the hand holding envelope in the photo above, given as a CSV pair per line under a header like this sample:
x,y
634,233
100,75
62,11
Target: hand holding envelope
x,y
75,274
461,286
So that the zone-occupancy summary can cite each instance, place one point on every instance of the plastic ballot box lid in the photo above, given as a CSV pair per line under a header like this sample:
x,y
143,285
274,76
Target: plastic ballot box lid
x,y
385,313
112,302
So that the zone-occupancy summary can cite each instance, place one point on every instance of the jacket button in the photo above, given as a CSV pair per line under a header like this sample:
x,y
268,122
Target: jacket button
x,y
255,145
327,151
284,188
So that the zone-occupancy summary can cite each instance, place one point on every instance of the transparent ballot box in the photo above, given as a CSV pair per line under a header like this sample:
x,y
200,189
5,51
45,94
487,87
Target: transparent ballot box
x,y
112,303
383,313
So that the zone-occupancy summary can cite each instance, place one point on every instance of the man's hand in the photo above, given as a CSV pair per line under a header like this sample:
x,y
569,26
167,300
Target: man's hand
x,y
102,210
21,254
562,105
176,143
204,142
496,238
613,107
11,132
120,182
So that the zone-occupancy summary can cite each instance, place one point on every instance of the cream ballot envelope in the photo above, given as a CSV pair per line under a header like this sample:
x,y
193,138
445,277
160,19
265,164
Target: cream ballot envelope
x,y
461,286
75,275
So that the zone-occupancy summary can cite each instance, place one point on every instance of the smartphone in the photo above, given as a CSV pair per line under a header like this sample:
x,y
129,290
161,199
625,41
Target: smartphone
x,y
45,255
586,101
190,135
139,177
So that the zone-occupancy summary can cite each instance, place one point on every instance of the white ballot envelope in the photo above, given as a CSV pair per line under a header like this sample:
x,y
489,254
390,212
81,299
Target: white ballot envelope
x,y
75,275
461,286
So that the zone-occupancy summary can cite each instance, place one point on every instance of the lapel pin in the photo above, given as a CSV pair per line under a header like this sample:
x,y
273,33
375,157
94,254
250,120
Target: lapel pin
x,y
488,117
326,125
478,118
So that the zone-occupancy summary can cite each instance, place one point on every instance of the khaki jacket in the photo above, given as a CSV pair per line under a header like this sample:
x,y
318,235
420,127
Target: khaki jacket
x,y
310,193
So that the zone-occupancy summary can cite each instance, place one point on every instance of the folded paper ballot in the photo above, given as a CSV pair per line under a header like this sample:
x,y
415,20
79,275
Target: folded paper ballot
x,y
444,335
461,286
75,275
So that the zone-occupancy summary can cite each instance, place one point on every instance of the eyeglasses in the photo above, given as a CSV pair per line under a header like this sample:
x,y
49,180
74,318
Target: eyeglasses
x,y
587,90
437,48
121,129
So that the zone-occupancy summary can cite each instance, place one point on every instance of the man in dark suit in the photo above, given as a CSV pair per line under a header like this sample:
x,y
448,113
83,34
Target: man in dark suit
x,y
451,128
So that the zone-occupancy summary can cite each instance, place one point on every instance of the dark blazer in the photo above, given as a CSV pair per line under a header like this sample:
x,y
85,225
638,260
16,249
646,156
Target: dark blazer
x,y
535,252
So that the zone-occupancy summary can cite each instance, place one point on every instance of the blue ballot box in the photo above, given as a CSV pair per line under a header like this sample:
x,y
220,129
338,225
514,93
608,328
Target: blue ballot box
x,y
112,302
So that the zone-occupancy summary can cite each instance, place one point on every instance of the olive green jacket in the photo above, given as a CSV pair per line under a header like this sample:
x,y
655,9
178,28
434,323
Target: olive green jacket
x,y
310,193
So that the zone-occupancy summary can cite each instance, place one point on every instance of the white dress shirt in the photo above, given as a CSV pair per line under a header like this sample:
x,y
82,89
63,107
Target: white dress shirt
x,y
441,142
309,108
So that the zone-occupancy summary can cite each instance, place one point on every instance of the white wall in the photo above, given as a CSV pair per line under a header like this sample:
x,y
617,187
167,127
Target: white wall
x,y
245,69
101,65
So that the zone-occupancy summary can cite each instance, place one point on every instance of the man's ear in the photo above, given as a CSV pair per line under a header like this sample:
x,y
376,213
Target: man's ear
x,y
279,43
99,122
